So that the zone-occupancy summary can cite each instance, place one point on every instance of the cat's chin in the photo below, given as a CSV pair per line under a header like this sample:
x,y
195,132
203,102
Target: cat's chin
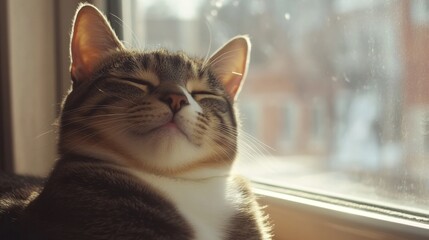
x,y
166,133
169,129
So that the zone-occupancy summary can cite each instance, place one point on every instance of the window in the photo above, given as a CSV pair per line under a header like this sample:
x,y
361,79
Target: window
x,y
317,125
335,107
425,133
336,84
250,115
288,126
420,11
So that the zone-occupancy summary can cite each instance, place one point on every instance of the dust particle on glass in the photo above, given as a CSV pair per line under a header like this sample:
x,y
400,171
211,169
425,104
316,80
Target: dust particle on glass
x,y
219,4
287,16
346,78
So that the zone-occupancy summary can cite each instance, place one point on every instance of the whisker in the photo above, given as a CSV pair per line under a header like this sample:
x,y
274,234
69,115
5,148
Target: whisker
x,y
242,133
134,37
85,138
112,95
222,57
248,145
45,133
99,123
80,119
88,107
206,59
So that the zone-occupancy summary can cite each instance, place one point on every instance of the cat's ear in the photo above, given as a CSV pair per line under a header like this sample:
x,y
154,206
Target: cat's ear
x,y
91,39
230,64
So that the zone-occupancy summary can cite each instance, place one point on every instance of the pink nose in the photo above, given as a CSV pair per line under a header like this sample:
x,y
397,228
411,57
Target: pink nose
x,y
175,101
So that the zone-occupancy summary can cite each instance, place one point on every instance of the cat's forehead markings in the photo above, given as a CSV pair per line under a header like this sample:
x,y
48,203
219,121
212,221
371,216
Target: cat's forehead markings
x,y
194,66
143,87
146,75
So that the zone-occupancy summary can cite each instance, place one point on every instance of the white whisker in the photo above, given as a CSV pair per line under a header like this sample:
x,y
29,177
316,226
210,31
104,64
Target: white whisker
x,y
206,59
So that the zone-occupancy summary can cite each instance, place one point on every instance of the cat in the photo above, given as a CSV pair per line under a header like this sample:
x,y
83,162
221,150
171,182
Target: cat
x,y
146,144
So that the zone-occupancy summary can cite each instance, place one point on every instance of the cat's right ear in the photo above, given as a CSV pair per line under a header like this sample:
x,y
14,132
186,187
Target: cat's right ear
x,y
91,39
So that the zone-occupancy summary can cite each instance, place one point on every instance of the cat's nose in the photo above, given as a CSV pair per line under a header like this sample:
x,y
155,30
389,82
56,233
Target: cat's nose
x,y
175,101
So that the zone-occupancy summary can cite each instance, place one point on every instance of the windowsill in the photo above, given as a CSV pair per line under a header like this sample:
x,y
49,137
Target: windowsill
x,y
301,215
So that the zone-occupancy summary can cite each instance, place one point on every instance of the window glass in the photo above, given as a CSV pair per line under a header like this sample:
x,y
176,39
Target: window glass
x,y
337,96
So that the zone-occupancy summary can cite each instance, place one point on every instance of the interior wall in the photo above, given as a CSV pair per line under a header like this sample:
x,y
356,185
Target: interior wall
x,y
32,84
38,36
38,66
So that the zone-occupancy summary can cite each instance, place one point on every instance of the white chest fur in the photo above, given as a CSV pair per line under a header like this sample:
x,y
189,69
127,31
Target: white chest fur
x,y
207,204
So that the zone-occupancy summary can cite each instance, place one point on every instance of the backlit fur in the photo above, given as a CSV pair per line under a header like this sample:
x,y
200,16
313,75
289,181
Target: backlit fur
x,y
147,141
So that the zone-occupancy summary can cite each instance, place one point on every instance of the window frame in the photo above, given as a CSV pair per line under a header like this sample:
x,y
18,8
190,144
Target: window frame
x,y
298,214
6,141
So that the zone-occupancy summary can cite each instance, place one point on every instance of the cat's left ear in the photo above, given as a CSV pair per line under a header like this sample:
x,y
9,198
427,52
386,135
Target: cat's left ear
x,y
230,64
92,39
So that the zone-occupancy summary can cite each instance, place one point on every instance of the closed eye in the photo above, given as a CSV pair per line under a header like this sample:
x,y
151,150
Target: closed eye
x,y
124,87
148,84
203,93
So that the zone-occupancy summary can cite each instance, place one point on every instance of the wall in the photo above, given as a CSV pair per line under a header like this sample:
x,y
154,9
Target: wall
x,y
32,83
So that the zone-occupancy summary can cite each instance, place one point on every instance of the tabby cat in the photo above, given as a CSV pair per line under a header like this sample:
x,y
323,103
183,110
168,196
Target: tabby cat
x,y
146,144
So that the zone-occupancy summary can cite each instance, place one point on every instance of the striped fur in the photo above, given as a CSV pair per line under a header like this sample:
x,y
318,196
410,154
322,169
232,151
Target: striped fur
x,y
123,104
147,140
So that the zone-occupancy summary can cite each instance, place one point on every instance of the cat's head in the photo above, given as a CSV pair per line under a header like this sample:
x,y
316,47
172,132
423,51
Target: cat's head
x,y
152,110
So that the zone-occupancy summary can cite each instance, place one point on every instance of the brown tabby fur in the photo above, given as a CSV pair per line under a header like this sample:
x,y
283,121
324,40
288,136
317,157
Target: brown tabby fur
x,y
92,197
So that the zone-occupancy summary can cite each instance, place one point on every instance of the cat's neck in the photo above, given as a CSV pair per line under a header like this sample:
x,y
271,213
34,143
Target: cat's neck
x,y
197,174
207,203
204,173
194,174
